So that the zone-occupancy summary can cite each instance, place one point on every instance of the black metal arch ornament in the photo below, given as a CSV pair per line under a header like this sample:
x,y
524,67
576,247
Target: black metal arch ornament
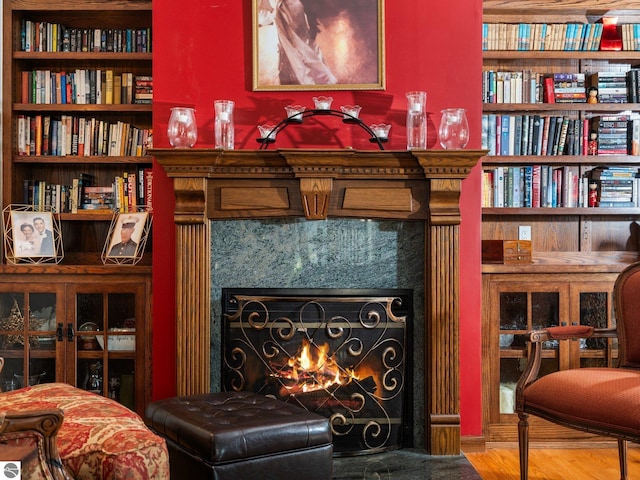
x,y
299,117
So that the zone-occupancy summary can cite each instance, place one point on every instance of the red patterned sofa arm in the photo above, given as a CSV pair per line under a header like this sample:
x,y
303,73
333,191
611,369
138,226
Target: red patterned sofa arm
x,y
98,438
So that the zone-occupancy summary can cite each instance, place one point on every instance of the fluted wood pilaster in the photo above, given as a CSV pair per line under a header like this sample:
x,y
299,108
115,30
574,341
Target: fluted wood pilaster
x,y
445,172
193,274
193,325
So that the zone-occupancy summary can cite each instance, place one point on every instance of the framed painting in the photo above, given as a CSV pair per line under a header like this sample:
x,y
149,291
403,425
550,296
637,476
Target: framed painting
x,y
318,45
32,236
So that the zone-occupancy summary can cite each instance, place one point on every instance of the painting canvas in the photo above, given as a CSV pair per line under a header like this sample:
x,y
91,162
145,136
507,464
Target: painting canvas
x,y
318,44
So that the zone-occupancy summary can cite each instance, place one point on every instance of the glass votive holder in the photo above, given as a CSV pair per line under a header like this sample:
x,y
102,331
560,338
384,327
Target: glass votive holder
x,y
182,129
351,112
381,130
267,133
416,102
322,102
294,112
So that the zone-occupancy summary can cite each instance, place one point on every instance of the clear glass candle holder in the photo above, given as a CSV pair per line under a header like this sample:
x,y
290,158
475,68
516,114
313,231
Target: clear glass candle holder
x,y
294,112
416,120
351,112
322,102
454,129
182,130
224,128
381,130
267,133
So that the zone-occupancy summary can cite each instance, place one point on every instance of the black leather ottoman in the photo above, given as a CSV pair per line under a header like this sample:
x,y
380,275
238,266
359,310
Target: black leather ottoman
x,y
241,435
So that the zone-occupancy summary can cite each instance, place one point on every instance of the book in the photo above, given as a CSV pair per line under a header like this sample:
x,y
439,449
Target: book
x,y
562,140
117,89
549,92
537,123
108,93
536,173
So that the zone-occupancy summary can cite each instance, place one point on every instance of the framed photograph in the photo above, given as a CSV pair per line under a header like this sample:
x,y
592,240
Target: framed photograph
x,y
318,45
31,236
127,238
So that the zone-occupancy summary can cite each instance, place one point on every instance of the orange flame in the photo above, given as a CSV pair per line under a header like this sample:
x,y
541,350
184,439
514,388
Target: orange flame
x,y
313,369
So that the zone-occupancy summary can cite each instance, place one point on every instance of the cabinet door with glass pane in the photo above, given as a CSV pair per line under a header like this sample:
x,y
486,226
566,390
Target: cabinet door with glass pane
x,y
32,337
592,305
515,304
111,346
520,307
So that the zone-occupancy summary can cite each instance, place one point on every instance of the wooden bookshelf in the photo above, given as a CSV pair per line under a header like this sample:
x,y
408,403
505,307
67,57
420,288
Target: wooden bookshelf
x,y
64,289
577,251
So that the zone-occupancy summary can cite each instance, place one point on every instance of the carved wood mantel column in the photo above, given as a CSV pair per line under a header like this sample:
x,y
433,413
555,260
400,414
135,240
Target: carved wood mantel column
x,y
421,185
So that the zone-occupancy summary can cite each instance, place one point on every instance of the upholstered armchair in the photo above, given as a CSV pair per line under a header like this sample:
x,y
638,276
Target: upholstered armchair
x,y
604,401
80,435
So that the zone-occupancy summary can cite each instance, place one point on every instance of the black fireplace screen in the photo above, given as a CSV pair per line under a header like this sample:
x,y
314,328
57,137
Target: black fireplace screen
x,y
339,353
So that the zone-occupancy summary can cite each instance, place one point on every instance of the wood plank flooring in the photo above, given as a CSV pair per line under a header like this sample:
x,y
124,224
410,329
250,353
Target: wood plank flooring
x,y
501,463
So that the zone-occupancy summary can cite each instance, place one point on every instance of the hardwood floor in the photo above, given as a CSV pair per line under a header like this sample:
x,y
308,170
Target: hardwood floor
x,y
501,463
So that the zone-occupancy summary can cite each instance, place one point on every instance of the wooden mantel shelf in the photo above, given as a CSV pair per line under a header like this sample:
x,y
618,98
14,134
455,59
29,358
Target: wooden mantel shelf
x,y
420,185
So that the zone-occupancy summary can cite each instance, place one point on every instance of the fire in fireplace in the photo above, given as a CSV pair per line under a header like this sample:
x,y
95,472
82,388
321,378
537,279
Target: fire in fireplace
x,y
338,352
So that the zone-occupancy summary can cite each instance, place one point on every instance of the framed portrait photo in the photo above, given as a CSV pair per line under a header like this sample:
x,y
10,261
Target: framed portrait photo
x,y
127,238
318,45
31,236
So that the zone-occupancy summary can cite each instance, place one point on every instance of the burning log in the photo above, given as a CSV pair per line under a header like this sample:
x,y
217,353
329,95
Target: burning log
x,y
339,396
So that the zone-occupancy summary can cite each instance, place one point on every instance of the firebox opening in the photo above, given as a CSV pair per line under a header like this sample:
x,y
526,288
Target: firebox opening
x,y
341,353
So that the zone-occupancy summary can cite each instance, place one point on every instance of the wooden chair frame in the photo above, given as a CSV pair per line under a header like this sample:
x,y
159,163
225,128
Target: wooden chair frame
x,y
625,316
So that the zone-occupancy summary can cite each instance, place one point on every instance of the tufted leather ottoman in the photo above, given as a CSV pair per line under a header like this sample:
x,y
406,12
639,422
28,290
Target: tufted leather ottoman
x,y
241,435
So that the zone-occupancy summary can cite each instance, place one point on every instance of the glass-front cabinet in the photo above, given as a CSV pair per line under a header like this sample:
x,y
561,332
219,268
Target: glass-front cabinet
x,y
93,334
517,304
28,335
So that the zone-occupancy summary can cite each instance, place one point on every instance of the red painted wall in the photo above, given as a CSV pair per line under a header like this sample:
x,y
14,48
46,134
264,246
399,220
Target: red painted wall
x,y
202,52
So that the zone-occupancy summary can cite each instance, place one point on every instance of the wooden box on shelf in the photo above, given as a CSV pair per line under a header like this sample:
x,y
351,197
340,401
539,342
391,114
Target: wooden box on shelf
x,y
506,251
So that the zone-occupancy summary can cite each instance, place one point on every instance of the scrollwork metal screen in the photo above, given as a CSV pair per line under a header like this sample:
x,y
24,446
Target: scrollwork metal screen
x,y
339,353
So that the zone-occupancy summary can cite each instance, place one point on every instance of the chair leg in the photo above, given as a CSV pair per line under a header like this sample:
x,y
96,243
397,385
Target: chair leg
x,y
622,456
523,445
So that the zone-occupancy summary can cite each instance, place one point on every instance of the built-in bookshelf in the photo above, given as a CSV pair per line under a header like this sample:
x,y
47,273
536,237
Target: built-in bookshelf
x,y
561,123
77,118
77,97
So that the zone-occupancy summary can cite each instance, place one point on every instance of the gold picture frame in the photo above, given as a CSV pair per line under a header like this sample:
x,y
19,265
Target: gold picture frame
x,y
127,237
318,45
32,235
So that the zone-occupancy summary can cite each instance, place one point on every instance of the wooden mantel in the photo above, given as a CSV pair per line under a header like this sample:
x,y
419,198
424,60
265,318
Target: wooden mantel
x,y
421,185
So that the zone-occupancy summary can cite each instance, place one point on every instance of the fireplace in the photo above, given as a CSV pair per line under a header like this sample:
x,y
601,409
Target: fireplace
x,y
418,186
337,352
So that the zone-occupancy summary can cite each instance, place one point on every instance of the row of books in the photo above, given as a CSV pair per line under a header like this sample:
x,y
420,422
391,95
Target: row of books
x,y
85,86
615,87
143,89
630,33
615,186
565,88
54,37
72,135
616,134
548,186
518,86
125,194
534,134
527,86
542,36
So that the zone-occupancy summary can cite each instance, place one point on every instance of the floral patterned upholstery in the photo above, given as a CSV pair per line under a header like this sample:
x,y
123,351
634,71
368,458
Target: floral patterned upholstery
x,y
99,438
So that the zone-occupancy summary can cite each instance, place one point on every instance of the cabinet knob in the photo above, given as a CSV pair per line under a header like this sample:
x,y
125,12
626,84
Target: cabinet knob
x,y
59,332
